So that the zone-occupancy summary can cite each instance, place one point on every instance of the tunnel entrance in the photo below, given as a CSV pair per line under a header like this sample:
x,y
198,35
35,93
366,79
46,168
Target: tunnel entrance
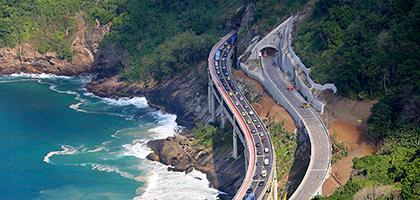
x,y
268,51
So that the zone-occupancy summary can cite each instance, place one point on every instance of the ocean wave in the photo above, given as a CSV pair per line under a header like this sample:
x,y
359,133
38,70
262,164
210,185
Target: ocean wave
x,y
137,148
54,88
163,184
76,107
66,150
167,125
97,149
108,168
39,76
139,102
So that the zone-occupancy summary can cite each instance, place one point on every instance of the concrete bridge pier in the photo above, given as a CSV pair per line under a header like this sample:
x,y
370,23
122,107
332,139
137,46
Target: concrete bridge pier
x,y
210,97
222,118
235,142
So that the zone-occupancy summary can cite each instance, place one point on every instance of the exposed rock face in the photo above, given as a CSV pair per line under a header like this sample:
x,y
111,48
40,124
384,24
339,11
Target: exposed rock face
x,y
180,153
184,95
25,57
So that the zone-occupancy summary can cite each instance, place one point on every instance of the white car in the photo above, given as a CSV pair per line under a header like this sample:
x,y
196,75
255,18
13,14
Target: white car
x,y
264,173
266,150
251,112
266,161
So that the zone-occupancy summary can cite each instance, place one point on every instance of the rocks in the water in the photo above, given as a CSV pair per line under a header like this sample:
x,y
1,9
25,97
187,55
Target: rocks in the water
x,y
153,157
180,153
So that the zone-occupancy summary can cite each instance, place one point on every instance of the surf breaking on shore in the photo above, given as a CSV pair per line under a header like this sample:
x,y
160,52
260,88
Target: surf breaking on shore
x,y
159,182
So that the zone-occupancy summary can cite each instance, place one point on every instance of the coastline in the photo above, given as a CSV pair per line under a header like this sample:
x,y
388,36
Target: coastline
x,y
165,127
130,92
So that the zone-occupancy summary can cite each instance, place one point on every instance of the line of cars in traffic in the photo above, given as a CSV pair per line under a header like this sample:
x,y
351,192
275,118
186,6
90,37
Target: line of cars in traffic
x,y
259,135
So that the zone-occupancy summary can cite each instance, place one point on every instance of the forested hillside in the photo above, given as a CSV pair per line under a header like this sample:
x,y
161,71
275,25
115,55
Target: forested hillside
x,y
162,38
370,50
167,37
269,13
50,25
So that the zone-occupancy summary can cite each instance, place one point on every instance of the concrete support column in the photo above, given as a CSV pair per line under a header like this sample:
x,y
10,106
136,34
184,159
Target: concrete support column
x,y
246,160
222,117
210,98
274,188
235,142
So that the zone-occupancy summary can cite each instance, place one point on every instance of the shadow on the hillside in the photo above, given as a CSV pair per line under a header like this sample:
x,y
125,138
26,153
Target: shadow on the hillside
x,y
300,164
229,172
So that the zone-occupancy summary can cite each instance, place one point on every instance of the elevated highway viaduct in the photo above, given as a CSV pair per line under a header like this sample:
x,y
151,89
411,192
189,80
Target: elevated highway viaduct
x,y
260,176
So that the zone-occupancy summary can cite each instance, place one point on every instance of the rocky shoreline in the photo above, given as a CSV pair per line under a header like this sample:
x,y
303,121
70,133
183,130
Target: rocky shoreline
x,y
180,95
184,95
180,154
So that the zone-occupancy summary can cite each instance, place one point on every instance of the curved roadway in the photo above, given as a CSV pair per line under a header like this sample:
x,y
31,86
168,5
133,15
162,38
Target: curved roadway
x,y
258,142
318,134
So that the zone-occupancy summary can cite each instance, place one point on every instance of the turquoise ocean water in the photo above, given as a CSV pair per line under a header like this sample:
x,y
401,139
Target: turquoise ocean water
x,y
60,142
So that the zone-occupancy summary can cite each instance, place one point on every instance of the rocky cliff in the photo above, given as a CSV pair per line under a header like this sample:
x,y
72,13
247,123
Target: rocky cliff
x,y
181,154
184,95
26,58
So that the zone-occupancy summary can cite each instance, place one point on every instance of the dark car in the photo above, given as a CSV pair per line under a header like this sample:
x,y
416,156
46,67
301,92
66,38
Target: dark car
x,y
264,140
257,144
249,190
258,163
261,183
259,153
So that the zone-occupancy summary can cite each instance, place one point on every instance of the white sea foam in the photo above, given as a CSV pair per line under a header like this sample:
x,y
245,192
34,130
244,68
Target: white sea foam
x,y
107,168
137,148
139,102
167,125
163,184
54,88
76,107
97,149
40,76
66,150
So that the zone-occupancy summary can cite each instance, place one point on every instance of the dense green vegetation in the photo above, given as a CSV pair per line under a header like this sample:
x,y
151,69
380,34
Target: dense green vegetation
x,y
365,47
48,24
270,13
165,38
397,165
285,145
209,136
162,38
370,49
